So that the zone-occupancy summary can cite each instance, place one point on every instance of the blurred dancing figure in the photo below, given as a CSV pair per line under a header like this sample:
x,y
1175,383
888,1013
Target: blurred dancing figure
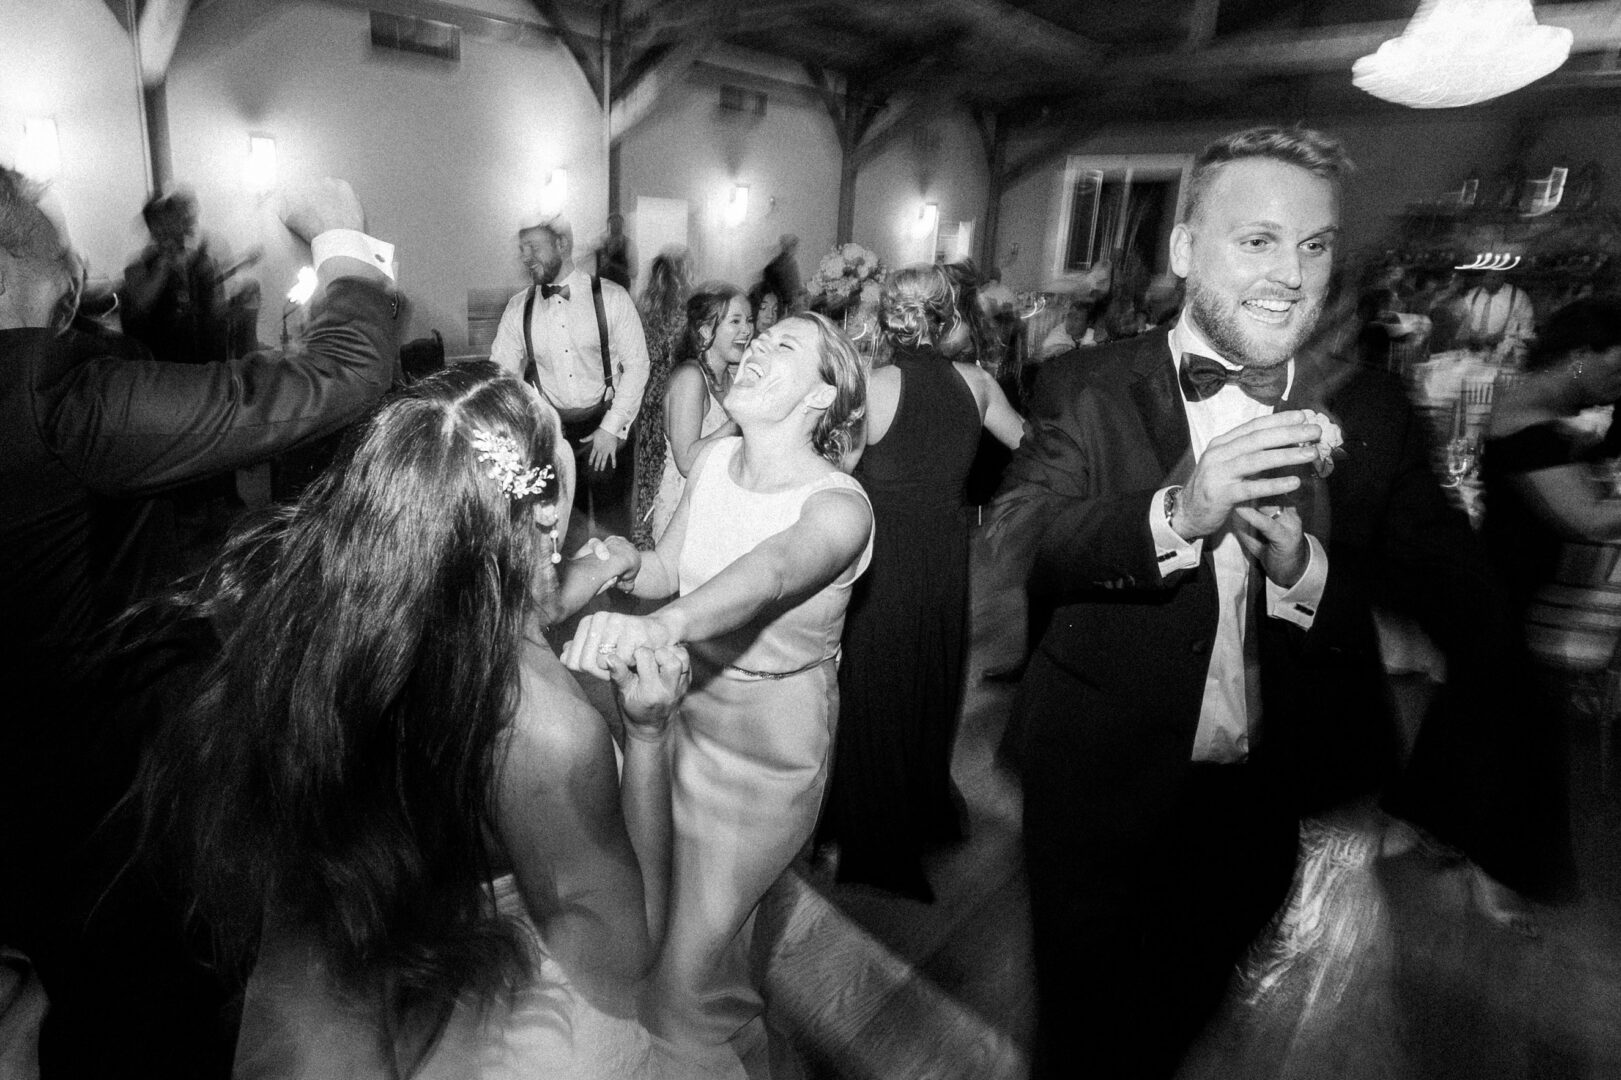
x,y
663,308
173,296
1490,777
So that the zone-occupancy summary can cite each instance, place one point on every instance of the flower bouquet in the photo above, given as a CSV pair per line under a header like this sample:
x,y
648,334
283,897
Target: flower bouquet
x,y
846,286
845,275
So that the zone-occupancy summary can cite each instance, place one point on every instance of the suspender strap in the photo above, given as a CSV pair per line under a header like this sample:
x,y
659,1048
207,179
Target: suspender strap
x,y
529,340
602,336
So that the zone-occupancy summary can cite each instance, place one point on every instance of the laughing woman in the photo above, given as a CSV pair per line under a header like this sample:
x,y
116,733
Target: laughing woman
x,y
720,323
764,546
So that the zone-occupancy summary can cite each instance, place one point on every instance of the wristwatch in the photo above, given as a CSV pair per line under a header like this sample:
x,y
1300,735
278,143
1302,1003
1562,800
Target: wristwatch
x,y
1171,495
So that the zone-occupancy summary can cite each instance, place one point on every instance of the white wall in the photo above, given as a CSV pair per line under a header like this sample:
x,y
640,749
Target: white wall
x,y
789,159
947,169
448,159
71,61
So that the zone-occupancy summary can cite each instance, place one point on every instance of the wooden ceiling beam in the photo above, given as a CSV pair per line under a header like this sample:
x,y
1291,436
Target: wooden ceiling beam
x,y
1201,24
1054,145
577,45
1002,19
674,20
636,100
158,30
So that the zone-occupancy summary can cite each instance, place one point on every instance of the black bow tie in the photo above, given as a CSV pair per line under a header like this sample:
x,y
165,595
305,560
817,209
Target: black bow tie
x,y
1202,378
549,291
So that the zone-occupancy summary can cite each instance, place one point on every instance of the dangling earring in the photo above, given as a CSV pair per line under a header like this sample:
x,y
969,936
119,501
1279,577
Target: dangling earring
x,y
557,556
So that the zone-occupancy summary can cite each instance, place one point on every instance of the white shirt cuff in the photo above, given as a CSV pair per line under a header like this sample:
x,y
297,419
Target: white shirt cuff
x,y
616,425
1171,552
1298,604
356,245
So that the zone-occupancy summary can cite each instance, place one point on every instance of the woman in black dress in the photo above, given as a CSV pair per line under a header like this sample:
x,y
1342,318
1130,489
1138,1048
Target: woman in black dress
x,y
906,634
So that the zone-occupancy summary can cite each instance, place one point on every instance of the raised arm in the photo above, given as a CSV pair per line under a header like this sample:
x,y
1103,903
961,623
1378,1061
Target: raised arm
x,y
127,427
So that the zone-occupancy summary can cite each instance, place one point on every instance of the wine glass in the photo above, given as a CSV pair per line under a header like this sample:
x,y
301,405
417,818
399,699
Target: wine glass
x,y
1460,460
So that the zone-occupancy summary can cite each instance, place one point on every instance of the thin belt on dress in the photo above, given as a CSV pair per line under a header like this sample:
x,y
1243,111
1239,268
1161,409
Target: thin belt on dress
x,y
749,673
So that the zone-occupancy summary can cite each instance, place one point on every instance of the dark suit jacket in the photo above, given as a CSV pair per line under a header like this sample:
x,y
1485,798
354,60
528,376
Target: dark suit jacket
x,y
85,417
1127,652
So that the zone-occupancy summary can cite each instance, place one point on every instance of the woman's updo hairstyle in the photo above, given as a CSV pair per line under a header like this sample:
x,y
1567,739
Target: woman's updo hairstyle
x,y
919,305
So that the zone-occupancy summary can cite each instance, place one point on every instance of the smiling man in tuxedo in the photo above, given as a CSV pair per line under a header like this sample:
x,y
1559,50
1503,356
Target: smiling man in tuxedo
x,y
1172,498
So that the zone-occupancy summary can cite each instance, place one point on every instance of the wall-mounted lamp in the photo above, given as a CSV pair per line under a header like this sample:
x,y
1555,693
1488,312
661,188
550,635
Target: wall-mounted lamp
x,y
260,171
299,295
928,216
41,154
737,205
554,194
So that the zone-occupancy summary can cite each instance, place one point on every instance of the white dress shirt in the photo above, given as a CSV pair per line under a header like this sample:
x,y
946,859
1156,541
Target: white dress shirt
x,y
568,349
1494,316
1232,696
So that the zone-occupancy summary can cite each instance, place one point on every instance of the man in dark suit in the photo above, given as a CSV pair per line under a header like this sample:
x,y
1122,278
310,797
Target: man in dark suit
x,y
84,419
1205,656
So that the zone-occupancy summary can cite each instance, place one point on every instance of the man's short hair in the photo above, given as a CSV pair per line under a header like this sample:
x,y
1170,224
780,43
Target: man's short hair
x,y
1319,154
26,232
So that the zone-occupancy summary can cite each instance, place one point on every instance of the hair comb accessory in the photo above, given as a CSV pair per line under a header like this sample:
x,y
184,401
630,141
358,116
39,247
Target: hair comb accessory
x,y
507,468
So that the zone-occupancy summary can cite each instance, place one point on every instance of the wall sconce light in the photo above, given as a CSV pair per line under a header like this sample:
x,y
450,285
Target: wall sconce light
x,y
928,216
260,172
41,153
737,205
554,195
299,295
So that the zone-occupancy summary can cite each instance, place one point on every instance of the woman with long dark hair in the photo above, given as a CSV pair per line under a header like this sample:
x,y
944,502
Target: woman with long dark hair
x,y
906,637
768,538
719,324
389,795
664,320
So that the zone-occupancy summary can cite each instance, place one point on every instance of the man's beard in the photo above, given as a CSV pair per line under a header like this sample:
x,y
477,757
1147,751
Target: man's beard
x,y
545,273
1219,318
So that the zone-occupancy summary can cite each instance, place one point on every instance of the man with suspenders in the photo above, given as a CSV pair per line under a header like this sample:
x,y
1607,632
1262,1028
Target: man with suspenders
x,y
578,340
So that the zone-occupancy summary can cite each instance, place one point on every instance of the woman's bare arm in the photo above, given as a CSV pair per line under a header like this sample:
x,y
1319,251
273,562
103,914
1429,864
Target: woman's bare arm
x,y
996,413
830,535
560,818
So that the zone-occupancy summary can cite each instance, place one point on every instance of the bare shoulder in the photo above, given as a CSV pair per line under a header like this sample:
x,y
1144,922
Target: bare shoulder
x,y
555,730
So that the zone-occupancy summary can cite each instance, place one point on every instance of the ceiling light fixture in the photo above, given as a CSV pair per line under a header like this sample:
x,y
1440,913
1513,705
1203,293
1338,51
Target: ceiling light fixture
x,y
1459,52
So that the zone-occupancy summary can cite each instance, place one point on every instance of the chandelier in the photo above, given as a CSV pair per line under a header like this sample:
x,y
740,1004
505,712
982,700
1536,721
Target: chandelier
x,y
1458,52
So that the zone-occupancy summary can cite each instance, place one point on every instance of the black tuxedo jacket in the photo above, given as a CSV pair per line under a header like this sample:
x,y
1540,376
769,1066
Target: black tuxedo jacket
x,y
1126,651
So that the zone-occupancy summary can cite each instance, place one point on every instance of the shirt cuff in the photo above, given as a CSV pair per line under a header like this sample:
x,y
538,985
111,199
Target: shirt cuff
x,y
615,424
1171,552
356,245
1298,603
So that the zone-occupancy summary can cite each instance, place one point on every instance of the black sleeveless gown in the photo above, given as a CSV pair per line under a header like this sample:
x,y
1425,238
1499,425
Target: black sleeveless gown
x,y
906,638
